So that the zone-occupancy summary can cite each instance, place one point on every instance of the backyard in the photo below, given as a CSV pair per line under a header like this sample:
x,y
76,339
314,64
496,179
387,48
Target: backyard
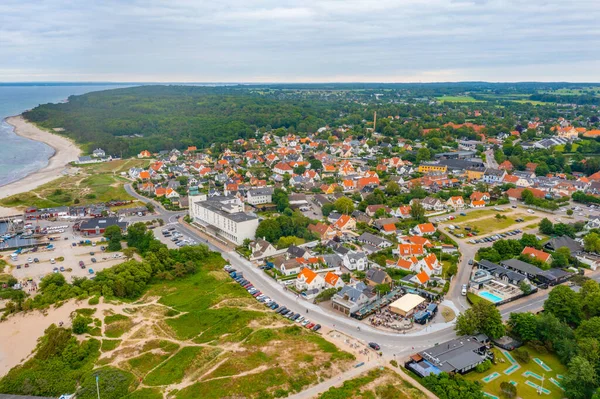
x,y
525,377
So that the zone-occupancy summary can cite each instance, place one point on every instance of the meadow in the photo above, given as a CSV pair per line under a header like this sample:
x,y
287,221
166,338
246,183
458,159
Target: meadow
x,y
91,184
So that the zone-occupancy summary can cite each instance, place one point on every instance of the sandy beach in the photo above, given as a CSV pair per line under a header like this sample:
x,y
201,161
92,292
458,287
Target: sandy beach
x,y
65,151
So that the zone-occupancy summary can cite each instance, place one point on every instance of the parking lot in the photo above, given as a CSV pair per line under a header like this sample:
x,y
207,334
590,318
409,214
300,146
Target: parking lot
x,y
172,237
69,254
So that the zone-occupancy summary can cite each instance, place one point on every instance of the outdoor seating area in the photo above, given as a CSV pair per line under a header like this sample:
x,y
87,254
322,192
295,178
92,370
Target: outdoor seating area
x,y
388,319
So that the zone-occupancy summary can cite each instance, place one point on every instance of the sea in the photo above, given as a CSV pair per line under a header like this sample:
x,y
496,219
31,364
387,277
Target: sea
x,y
19,156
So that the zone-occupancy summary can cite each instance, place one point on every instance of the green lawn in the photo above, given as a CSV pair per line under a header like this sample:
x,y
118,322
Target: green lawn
x,y
492,224
93,184
476,215
523,391
458,99
532,102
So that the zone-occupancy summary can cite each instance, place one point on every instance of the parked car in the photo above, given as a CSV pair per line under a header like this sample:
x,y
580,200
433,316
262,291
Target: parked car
x,y
299,319
93,260
26,264
81,264
374,346
91,271
36,260
62,269
55,270
29,260
310,325
317,327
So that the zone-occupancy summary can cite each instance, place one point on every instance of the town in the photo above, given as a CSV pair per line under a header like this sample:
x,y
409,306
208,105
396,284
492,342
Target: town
x,y
387,239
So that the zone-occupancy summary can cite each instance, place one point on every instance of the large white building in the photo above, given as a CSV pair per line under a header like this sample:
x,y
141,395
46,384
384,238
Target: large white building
x,y
224,216
257,196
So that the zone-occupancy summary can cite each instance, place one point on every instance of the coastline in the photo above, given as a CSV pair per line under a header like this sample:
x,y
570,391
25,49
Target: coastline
x,y
65,151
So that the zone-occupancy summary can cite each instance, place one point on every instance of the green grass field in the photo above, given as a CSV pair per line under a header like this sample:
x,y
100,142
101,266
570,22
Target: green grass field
x,y
523,391
458,99
93,184
492,224
532,102
476,215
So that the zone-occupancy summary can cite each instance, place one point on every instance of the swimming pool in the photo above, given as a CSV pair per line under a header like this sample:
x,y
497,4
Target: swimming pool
x,y
489,296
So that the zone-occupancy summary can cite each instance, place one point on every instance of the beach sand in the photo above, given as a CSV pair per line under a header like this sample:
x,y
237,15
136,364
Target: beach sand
x,y
65,151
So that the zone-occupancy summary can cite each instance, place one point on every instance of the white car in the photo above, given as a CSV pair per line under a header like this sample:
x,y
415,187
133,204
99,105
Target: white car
x,y
463,290
300,319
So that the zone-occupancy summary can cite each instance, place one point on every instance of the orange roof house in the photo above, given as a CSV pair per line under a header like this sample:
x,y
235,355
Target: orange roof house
x,y
478,204
425,228
480,196
144,154
506,165
592,133
144,175
536,253
406,250
322,230
160,191
422,277
345,222
333,279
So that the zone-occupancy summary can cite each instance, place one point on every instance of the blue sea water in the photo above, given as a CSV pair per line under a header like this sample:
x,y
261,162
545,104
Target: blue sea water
x,y
19,156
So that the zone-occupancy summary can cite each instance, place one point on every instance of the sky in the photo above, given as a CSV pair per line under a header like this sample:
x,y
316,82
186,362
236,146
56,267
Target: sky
x,y
300,41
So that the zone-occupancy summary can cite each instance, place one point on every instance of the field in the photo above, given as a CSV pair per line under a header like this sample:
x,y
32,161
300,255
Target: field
x,y
458,99
204,336
523,390
532,102
492,224
377,383
91,184
476,215
595,91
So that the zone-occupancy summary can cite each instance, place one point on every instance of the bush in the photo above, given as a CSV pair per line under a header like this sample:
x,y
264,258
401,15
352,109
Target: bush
x,y
508,390
483,367
94,301
80,324
394,363
521,355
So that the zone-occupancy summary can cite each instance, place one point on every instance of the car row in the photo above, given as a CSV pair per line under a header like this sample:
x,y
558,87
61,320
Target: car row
x,y
176,237
268,302
496,237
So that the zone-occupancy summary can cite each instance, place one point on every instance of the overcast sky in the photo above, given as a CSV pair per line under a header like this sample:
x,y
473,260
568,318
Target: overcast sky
x,y
300,41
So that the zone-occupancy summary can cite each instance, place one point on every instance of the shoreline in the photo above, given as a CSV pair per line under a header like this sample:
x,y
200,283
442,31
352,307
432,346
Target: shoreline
x,y
65,152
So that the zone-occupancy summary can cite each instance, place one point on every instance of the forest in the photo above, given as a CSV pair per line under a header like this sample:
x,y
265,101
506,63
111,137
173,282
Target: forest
x,y
128,120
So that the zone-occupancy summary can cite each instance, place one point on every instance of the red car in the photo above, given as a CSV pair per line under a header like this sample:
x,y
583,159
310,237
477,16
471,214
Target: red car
x,y
256,294
311,325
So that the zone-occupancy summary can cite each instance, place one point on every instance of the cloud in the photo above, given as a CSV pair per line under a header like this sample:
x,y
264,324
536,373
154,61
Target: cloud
x,y
311,40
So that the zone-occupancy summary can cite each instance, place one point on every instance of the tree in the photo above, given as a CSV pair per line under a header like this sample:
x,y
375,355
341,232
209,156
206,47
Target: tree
x,y
129,252
392,188
591,242
523,325
588,328
315,164
508,390
482,317
113,232
561,256
417,211
382,289
525,288
564,303
344,205
269,229
150,207
546,227
423,154
280,199
580,380
327,209
570,212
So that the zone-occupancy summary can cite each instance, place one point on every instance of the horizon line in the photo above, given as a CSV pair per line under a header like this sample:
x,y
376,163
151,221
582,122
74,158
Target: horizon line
x,y
93,82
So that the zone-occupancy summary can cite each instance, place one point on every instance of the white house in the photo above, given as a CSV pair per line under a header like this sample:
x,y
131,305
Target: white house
x,y
309,280
257,196
355,260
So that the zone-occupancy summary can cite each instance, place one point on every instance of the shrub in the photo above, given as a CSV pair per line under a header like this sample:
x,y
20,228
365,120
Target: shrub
x,y
521,355
483,367
80,324
394,363
94,301
508,390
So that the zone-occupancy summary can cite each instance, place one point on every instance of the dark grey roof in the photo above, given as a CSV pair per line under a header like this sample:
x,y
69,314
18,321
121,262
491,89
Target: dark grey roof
x,y
494,172
455,354
459,164
521,266
371,239
377,276
102,223
296,252
261,191
564,241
